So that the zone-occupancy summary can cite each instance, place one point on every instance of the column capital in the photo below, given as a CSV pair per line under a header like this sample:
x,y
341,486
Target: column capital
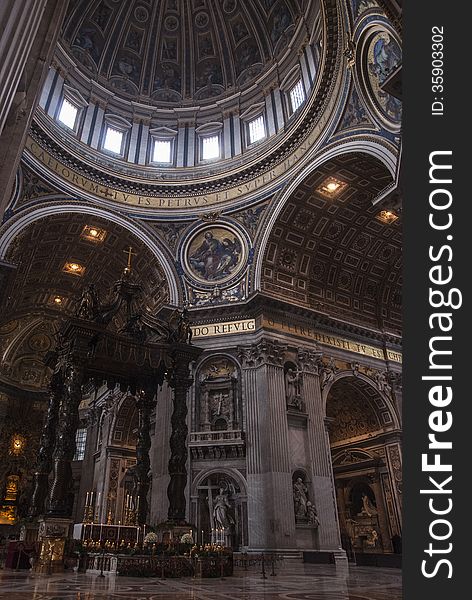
x,y
269,352
310,361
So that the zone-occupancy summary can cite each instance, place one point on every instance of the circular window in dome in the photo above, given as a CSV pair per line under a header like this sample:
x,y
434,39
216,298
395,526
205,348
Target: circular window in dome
x,y
383,56
215,254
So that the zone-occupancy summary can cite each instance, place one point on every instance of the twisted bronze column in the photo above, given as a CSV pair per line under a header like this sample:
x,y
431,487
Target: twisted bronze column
x,y
179,382
60,500
145,404
48,441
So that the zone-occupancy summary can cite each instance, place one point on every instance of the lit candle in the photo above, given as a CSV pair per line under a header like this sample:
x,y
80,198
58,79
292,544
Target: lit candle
x,y
101,529
137,535
87,500
137,505
91,498
144,534
202,536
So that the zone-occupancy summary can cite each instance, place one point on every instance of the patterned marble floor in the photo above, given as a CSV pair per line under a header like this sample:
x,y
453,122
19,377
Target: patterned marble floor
x,y
299,582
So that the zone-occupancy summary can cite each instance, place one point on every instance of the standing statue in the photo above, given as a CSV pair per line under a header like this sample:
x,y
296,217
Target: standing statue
x,y
88,304
300,498
221,509
292,387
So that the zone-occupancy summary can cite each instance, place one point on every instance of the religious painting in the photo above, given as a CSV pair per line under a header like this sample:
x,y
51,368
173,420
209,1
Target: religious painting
x,y
383,55
215,254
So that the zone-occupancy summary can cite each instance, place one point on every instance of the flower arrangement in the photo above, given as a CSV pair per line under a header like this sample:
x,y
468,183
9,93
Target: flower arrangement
x,y
151,538
186,538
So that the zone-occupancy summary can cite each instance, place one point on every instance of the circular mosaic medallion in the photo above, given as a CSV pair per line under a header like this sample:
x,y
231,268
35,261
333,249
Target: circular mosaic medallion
x,y
215,254
383,55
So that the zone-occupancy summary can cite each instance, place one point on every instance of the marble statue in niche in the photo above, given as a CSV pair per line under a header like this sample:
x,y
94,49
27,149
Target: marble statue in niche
x,y
300,498
293,387
368,508
312,515
218,406
221,517
305,511
221,510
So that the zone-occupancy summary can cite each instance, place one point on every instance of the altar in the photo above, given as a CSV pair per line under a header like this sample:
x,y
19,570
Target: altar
x,y
110,536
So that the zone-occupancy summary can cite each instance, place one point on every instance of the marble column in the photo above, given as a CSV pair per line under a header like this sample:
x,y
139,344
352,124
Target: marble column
x,y
48,440
180,381
145,404
60,501
320,453
29,35
160,456
271,521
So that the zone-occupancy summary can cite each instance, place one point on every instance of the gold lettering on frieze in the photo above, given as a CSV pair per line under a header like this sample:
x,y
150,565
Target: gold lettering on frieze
x,y
330,340
88,185
226,328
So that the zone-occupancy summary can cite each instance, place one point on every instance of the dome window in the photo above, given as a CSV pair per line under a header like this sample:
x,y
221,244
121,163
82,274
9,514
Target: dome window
x,y
297,95
113,140
211,147
162,152
68,114
115,134
256,129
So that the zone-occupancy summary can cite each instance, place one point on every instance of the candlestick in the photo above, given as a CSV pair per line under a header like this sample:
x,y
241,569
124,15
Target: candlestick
x,y
137,534
87,500
101,529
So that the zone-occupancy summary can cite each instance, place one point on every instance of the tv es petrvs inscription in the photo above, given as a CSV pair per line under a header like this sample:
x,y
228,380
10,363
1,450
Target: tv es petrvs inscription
x,y
437,70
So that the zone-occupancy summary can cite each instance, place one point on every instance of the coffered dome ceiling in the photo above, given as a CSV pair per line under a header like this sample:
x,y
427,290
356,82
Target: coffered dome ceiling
x,y
171,50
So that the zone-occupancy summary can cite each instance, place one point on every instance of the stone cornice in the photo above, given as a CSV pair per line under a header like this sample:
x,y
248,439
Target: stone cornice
x,y
264,305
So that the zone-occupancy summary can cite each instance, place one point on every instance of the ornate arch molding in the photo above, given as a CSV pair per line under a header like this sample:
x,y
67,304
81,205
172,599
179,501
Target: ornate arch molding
x,y
388,401
230,472
360,455
14,226
378,148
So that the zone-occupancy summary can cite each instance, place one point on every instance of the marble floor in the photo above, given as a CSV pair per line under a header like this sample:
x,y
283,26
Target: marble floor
x,y
298,582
